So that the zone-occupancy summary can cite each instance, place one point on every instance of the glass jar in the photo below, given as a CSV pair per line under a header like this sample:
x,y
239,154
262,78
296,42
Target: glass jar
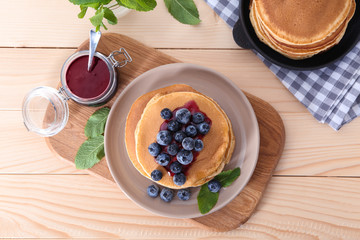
x,y
45,110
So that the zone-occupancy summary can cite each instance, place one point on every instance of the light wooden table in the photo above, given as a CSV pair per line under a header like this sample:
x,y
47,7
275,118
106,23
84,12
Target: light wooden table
x,y
315,190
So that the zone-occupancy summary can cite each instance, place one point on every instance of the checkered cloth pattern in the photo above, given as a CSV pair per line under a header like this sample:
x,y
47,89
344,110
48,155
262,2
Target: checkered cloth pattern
x,y
331,94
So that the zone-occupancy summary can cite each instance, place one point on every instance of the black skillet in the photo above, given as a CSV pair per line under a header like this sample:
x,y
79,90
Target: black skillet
x,y
245,37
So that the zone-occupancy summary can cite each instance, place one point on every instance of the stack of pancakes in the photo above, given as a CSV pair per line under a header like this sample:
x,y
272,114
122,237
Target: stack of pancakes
x,y
300,29
143,123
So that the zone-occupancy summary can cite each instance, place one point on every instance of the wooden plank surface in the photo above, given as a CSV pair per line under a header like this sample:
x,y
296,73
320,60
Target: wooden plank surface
x,y
24,152
54,23
42,67
42,197
34,206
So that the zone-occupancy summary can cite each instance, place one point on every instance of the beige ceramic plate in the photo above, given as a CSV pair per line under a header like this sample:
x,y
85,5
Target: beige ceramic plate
x,y
208,82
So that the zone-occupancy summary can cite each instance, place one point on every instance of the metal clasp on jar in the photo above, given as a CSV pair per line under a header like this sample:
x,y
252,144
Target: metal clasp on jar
x,y
122,63
63,93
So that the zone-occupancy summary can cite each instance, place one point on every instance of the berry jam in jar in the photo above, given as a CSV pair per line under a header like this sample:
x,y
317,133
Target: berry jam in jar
x,y
46,111
94,87
84,83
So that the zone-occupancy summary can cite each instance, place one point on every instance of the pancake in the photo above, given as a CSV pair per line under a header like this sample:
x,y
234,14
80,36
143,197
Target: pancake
x,y
302,21
216,142
134,116
198,173
313,46
298,49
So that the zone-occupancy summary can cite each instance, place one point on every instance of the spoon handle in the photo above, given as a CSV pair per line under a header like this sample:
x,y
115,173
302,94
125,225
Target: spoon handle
x,y
94,40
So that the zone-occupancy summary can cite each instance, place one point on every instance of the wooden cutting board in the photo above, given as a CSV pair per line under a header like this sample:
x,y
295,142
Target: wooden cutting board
x,y
272,135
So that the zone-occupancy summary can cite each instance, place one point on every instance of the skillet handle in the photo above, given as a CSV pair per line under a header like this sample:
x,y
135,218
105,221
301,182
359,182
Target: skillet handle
x,y
240,35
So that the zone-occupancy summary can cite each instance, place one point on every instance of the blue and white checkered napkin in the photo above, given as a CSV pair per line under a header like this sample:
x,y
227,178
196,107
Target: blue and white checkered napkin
x,y
331,94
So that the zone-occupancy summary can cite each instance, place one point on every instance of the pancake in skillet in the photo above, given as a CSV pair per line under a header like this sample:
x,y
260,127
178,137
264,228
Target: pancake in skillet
x,y
302,21
301,29
298,51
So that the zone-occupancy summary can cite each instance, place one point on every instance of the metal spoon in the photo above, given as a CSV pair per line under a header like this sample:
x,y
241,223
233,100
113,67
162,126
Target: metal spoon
x,y
94,40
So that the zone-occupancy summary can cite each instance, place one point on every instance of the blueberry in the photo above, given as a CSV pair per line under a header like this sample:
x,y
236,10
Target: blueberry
x,y
175,167
214,186
183,115
173,126
166,113
173,149
198,117
184,194
191,131
179,136
179,179
204,128
156,175
167,194
184,157
163,159
188,143
164,138
153,191
199,145
154,149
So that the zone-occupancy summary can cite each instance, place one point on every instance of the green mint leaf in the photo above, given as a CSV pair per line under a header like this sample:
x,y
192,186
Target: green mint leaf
x,y
83,2
226,178
138,5
90,152
185,11
82,12
96,20
95,126
97,28
110,16
206,199
92,5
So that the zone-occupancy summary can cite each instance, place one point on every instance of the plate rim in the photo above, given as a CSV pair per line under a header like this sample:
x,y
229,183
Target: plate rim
x,y
231,83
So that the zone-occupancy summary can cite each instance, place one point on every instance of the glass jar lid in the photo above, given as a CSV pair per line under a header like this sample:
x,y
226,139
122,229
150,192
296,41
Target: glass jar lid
x,y
45,111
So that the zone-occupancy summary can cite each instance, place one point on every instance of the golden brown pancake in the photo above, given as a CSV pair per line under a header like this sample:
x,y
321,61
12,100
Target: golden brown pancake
x,y
134,116
313,46
216,141
302,21
196,175
297,49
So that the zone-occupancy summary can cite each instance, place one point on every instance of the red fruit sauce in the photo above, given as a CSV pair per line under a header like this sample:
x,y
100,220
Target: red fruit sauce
x,y
84,83
193,108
